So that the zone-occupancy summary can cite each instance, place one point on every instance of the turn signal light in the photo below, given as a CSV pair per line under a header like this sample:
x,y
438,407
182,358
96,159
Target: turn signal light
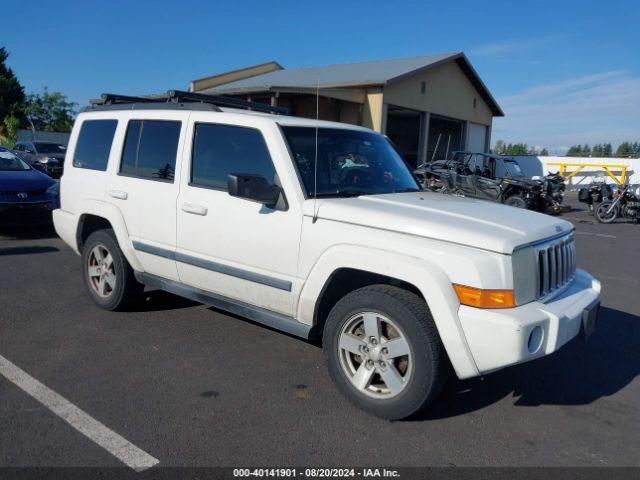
x,y
476,297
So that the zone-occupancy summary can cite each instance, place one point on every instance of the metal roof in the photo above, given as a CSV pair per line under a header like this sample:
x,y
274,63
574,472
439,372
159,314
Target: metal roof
x,y
358,74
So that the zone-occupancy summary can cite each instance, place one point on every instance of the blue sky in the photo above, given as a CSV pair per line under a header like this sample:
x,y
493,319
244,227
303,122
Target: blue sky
x,y
565,72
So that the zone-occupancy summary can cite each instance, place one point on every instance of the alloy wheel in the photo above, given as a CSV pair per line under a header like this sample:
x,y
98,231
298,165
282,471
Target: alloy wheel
x,y
375,355
101,271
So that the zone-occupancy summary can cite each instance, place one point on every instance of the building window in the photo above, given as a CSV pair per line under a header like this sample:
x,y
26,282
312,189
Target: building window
x,y
423,87
219,150
150,149
94,144
474,102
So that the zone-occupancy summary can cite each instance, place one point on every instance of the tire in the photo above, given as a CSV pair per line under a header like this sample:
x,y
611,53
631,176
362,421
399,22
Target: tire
x,y
600,213
516,201
416,378
110,280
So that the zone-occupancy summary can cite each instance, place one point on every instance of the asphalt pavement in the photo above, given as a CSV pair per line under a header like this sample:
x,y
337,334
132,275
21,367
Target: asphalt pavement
x,y
192,386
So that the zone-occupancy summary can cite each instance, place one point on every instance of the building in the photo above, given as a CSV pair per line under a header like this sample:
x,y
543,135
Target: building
x,y
427,105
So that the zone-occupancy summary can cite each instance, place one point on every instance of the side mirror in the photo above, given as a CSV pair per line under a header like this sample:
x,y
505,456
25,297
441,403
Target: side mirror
x,y
253,187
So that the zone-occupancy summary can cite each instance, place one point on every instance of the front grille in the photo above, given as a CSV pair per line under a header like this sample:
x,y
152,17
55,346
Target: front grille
x,y
556,264
14,193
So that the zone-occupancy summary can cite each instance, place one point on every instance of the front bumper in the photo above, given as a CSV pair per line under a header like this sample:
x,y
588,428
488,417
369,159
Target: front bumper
x,y
499,338
27,213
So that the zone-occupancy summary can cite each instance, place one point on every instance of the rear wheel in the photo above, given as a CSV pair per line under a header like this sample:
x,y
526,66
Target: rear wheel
x,y
383,351
516,201
606,212
108,276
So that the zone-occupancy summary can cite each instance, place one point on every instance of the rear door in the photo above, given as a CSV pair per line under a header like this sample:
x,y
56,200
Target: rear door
x,y
144,186
231,246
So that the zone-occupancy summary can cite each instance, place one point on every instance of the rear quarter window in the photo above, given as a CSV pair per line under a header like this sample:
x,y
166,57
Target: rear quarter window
x,y
94,144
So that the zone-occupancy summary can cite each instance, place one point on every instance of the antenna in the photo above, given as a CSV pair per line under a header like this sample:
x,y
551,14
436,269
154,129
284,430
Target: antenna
x,y
315,161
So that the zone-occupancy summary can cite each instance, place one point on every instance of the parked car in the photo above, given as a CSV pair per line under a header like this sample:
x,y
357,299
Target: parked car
x,y
27,197
493,177
48,155
318,229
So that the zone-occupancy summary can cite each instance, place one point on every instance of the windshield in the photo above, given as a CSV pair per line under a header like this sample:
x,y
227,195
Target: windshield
x,y
8,161
350,162
48,147
514,168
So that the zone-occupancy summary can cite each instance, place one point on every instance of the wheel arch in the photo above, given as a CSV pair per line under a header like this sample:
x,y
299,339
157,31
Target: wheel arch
x,y
100,215
369,265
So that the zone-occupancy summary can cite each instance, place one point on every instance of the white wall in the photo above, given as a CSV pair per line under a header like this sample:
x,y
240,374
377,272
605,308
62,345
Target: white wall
x,y
538,165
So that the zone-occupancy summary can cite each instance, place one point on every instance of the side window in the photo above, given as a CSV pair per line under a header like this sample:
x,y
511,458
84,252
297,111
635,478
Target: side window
x,y
94,144
150,149
18,147
219,150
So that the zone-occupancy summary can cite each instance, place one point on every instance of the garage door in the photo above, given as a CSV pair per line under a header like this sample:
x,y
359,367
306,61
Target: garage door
x,y
477,137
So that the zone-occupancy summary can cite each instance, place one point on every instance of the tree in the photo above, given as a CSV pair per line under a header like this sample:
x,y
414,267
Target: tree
x,y
50,112
544,152
11,92
10,135
499,148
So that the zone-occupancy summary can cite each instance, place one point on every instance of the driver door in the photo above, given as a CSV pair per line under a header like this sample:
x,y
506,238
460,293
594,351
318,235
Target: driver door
x,y
487,187
227,245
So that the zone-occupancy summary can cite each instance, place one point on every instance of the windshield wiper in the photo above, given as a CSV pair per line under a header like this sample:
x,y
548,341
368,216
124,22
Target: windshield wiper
x,y
342,193
406,190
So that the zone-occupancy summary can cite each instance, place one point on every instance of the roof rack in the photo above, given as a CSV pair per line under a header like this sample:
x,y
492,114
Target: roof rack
x,y
179,96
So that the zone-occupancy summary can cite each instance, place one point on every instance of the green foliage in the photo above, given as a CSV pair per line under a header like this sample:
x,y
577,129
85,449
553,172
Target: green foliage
x,y
11,92
579,151
628,150
50,112
601,150
11,124
502,148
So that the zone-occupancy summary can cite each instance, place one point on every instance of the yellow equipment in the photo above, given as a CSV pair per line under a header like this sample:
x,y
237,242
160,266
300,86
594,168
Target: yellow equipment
x,y
609,169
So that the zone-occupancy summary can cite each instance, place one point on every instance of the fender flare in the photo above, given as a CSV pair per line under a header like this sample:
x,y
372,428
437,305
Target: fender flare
x,y
112,214
428,278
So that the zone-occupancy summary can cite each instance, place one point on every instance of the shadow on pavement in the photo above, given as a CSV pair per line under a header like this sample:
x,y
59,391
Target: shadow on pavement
x,y
27,232
26,250
157,300
578,374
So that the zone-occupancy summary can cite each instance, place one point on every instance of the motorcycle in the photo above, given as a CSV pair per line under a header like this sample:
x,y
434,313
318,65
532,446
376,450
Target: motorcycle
x,y
624,204
595,194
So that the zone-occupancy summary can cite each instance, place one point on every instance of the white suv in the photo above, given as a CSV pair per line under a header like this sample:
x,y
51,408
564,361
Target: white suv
x,y
318,229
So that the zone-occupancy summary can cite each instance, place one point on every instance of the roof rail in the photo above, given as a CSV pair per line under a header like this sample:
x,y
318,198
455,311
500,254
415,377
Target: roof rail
x,y
179,96
221,100
113,98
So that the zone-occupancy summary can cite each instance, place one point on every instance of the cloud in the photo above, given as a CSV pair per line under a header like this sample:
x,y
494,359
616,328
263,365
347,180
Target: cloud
x,y
496,49
595,108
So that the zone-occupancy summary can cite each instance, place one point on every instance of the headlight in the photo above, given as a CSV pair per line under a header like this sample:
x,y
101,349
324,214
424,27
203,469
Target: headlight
x,y
638,192
54,189
523,263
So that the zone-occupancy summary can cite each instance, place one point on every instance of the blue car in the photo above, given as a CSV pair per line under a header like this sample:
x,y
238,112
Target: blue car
x,y
27,196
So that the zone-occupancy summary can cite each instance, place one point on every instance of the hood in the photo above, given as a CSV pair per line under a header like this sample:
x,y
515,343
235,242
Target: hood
x,y
466,221
14,180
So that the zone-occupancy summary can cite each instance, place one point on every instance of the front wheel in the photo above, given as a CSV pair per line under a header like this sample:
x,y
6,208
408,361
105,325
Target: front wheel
x,y
516,201
606,212
383,351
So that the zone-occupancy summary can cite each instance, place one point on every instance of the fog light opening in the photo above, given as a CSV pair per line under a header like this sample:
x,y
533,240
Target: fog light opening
x,y
535,339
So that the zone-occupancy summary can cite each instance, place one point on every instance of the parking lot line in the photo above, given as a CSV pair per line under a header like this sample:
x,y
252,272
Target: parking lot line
x,y
113,443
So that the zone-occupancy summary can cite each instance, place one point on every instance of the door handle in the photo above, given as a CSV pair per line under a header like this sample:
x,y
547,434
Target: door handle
x,y
118,194
194,208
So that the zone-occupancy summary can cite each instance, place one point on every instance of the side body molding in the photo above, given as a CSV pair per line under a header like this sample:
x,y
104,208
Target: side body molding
x,y
430,280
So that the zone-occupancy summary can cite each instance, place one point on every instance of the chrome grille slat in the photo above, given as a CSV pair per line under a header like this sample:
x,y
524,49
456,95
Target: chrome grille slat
x,y
556,264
